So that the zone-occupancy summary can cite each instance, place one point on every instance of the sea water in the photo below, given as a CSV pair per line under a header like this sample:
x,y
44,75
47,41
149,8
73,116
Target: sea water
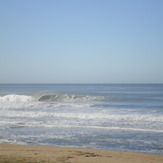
x,y
127,117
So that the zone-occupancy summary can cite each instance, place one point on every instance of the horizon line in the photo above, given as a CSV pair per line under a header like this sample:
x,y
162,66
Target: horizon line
x,y
84,83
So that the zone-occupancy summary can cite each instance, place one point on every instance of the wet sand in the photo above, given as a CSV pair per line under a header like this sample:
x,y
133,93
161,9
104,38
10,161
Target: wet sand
x,y
41,154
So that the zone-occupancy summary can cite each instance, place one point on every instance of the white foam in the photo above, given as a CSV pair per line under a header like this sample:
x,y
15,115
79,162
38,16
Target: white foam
x,y
104,128
41,114
64,125
13,101
16,98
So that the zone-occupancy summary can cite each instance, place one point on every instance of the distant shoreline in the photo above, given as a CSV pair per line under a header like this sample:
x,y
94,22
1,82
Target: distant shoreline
x,y
26,153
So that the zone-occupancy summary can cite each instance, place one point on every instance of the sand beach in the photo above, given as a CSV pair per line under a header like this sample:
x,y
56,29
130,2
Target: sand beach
x,y
10,153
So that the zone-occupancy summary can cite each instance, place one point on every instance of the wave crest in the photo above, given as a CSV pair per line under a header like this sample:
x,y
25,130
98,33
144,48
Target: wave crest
x,y
69,98
16,98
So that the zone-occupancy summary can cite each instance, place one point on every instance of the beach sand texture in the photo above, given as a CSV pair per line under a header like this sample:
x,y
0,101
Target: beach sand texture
x,y
41,154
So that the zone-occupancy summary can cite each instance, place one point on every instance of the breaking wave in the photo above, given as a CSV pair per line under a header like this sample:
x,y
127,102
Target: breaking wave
x,y
69,98
16,98
50,97
63,98
15,101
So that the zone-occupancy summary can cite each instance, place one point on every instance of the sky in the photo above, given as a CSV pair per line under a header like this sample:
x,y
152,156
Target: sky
x,y
81,41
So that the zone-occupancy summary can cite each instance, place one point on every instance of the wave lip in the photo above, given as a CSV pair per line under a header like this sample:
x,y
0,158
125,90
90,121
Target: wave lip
x,y
63,98
69,98
16,98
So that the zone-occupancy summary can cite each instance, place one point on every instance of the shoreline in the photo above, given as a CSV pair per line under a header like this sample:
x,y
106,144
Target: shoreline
x,y
12,153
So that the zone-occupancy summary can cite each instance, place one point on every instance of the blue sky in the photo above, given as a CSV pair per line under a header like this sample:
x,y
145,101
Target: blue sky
x,y
81,41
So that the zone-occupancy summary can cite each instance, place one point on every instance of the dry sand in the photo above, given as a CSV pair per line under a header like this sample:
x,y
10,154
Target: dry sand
x,y
33,154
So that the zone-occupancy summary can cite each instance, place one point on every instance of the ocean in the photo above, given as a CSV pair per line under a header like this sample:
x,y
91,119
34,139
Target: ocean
x,y
123,117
